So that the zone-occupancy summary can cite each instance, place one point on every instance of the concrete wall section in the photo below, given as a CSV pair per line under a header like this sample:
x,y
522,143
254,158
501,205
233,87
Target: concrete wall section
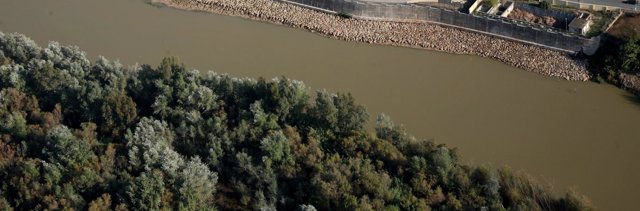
x,y
474,6
557,14
500,27
582,5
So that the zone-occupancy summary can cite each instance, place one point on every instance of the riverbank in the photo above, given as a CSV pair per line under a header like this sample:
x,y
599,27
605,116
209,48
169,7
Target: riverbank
x,y
612,62
416,35
630,82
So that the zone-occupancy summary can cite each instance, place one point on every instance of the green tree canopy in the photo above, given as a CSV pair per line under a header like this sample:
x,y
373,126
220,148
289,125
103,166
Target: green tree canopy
x,y
76,135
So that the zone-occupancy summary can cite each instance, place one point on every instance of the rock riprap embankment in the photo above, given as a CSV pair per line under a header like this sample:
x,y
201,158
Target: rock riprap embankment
x,y
409,34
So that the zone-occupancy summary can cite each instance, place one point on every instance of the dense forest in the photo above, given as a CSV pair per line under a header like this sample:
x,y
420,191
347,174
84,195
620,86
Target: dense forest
x,y
77,135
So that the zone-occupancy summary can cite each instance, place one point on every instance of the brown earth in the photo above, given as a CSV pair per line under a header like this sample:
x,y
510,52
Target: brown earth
x,y
625,27
527,16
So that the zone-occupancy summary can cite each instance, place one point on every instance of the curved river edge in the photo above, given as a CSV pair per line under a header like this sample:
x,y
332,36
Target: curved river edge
x,y
407,34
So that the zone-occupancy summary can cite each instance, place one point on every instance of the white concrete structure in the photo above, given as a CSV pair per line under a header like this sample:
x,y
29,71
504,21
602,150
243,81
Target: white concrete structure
x,y
580,24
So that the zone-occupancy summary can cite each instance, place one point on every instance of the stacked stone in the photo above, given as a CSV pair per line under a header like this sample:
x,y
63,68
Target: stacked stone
x,y
409,34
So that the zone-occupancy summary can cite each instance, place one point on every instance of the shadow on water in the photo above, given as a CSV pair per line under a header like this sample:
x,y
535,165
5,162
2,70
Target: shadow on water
x,y
155,4
633,98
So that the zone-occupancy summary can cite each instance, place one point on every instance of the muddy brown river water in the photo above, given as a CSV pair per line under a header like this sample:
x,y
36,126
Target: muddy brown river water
x,y
570,134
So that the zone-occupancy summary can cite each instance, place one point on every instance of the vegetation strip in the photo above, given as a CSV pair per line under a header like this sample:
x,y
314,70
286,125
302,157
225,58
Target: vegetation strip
x,y
76,135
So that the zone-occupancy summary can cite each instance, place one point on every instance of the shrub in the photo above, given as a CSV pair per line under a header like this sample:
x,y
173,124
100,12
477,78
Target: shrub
x,y
544,4
494,2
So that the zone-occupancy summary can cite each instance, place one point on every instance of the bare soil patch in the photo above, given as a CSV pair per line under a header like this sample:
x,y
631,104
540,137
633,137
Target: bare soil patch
x,y
527,16
625,27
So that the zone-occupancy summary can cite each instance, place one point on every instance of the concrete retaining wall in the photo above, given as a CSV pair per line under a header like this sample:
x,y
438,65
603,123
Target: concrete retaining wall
x,y
558,15
507,11
474,6
501,27
580,5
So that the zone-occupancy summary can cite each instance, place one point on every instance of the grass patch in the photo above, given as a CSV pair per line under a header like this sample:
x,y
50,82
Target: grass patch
x,y
600,21
345,15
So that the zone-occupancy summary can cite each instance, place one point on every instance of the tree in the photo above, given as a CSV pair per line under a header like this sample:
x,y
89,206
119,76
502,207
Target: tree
x,y
442,162
576,201
544,4
73,155
325,111
630,56
7,154
387,130
486,179
150,146
18,48
276,148
64,148
145,192
103,203
4,205
262,119
264,144
256,184
109,74
195,186
305,207
351,117
70,60
118,113
12,75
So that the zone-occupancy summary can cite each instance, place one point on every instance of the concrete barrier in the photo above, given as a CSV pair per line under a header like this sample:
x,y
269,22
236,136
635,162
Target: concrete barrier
x,y
495,25
507,11
474,6
581,5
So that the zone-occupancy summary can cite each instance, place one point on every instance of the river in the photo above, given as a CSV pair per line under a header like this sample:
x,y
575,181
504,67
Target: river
x,y
570,134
